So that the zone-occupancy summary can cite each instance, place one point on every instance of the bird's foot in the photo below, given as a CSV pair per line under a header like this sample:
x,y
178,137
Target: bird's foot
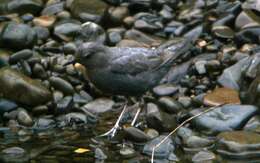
x,y
111,133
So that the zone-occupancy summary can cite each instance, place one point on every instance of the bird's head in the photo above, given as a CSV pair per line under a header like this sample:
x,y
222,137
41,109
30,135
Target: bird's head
x,y
91,54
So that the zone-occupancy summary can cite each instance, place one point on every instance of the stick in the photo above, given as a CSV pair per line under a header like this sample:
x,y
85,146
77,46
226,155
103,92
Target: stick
x,y
182,124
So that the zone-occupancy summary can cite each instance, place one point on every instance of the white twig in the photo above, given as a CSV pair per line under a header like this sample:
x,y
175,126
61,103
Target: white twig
x,y
182,124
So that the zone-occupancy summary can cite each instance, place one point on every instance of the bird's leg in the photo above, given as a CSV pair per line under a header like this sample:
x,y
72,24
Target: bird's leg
x,y
111,133
140,106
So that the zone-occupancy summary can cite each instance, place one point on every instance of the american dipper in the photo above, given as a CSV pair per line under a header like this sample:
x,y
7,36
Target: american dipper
x,y
127,71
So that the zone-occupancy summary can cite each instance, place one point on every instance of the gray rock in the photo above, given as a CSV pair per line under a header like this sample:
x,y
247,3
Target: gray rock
x,y
44,124
136,134
165,90
203,156
169,105
100,105
163,151
99,154
7,106
25,6
22,89
61,85
67,30
200,67
127,152
20,55
24,118
53,9
231,76
18,36
224,118
64,105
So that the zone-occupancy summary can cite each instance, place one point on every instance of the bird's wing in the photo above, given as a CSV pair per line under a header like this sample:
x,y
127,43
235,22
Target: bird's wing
x,y
135,60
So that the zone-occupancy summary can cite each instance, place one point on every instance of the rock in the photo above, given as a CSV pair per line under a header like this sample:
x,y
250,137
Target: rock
x,y
131,43
39,71
223,118
14,154
254,66
25,6
7,106
64,105
67,30
22,89
70,118
127,152
239,144
170,105
244,19
24,118
44,21
42,33
136,134
200,67
116,15
165,90
253,93
198,142
99,154
163,151
61,85
91,32
247,35
203,156
221,96
44,124
99,105
17,36
231,76
223,32
53,9
185,101
91,6
20,55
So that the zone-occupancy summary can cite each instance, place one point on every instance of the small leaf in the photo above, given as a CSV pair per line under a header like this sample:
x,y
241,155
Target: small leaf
x,y
81,150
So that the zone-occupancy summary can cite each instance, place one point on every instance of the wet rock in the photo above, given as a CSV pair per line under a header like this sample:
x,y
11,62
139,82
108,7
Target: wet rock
x,y
72,118
20,55
198,142
127,152
61,85
41,109
151,133
253,94
24,118
222,96
21,88
17,36
223,32
252,69
244,19
203,156
115,35
159,120
131,43
163,151
91,32
14,154
99,154
231,76
44,21
67,30
116,15
25,6
200,67
53,9
185,101
39,71
70,48
170,105
223,118
42,33
7,106
165,90
247,35
100,105
136,134
64,105
239,144
92,6
44,124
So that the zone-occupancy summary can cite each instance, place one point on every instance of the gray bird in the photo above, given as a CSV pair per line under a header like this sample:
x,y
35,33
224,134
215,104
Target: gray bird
x,y
127,71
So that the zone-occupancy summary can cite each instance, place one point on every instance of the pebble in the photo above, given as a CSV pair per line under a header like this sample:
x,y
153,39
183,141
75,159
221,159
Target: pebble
x,y
99,105
61,85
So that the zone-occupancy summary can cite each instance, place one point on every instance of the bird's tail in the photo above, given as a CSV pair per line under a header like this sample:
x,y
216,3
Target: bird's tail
x,y
186,46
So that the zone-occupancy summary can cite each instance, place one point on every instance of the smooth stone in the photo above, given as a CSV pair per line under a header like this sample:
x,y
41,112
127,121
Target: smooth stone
x,y
131,43
203,156
165,90
42,33
39,71
24,118
127,152
239,144
198,142
200,67
90,6
14,154
151,133
44,21
231,76
221,96
223,118
22,89
41,109
53,9
18,36
44,124
136,134
185,101
91,32
163,151
145,26
99,154
158,120
20,55
247,35
223,32
71,118
243,19
169,105
99,105
70,48
25,6
116,15
67,30
253,93
64,105
7,106
14,151
61,85
254,66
